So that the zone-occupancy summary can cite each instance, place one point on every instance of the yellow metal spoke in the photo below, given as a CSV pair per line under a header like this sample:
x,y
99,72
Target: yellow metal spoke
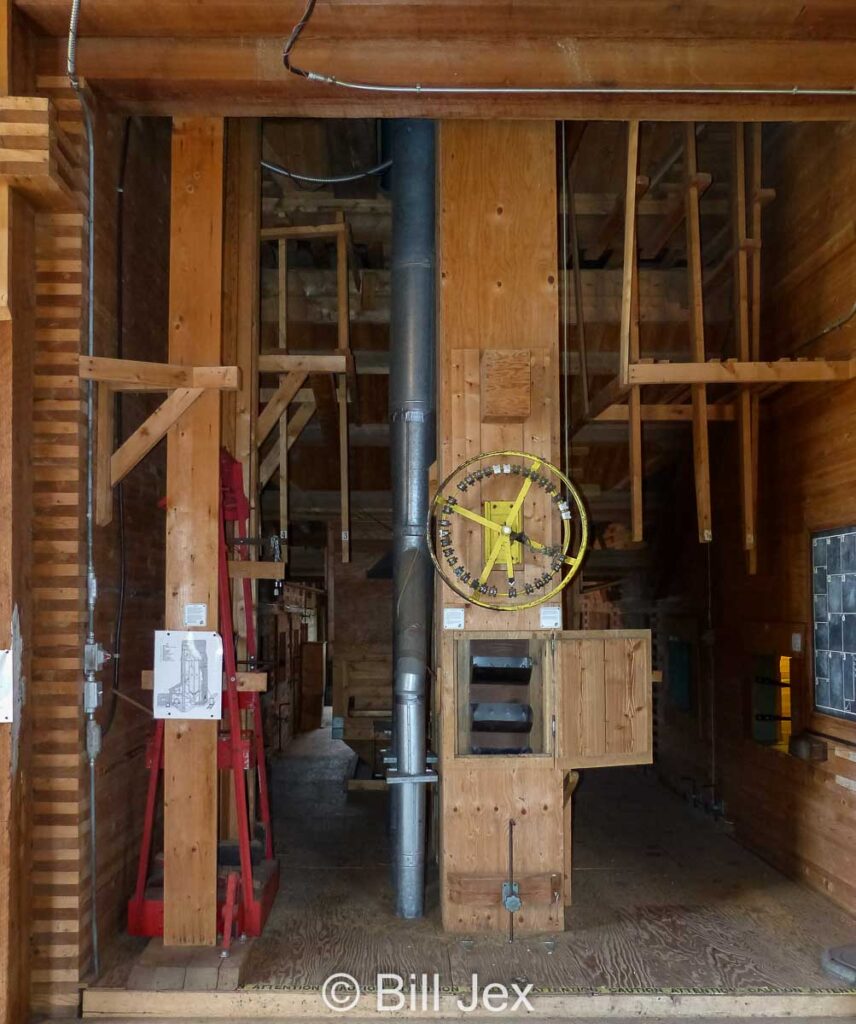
x,y
476,518
521,497
492,557
509,558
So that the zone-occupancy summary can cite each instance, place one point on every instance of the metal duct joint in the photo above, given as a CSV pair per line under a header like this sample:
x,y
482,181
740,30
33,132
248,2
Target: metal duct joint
x,y
413,446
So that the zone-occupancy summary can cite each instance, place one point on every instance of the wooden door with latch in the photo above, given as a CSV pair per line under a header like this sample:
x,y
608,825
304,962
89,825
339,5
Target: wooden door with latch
x,y
603,699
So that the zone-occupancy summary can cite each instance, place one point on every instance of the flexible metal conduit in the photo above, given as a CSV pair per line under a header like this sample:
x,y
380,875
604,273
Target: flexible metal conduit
x,y
413,443
91,686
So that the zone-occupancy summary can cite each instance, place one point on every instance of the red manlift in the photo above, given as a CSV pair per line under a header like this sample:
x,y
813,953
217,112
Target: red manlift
x,y
245,896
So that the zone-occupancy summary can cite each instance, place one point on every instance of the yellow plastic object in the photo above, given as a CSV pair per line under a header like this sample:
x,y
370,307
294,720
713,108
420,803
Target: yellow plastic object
x,y
497,512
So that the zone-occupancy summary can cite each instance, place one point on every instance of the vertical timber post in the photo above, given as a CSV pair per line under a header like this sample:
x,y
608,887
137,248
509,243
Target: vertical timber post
x,y
193,507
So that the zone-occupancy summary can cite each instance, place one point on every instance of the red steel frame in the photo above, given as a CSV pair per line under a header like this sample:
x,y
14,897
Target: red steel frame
x,y
234,751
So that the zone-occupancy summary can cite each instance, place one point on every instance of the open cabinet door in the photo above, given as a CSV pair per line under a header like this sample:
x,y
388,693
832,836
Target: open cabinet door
x,y
603,698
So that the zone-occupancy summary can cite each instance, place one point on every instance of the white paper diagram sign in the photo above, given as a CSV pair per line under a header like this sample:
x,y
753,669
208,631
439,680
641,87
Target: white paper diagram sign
x,y
6,686
188,676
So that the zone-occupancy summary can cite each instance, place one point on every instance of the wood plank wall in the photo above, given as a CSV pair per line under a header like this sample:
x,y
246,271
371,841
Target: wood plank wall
x,y
17,323
60,805
498,291
799,815
60,922
121,773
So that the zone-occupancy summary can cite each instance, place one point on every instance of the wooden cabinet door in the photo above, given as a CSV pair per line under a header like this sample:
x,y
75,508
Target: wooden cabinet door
x,y
603,698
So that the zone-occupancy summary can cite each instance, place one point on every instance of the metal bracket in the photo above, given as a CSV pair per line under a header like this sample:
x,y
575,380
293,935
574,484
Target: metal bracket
x,y
391,761
394,779
95,657
511,897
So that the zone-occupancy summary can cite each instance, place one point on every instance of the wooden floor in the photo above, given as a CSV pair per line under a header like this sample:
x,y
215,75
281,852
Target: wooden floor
x,y
663,899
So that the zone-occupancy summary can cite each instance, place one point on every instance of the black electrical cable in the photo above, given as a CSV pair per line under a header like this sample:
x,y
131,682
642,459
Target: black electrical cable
x,y
120,349
339,179
292,40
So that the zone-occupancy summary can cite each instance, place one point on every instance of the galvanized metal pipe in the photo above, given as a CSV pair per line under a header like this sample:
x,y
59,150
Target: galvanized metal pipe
x,y
412,385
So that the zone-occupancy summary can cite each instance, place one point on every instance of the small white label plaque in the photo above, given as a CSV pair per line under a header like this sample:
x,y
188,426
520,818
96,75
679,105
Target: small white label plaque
x,y
796,642
551,616
188,676
453,618
7,704
196,615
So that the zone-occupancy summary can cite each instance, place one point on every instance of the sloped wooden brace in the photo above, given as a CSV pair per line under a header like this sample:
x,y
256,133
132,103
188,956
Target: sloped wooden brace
x,y
612,222
701,454
270,463
280,399
672,220
147,434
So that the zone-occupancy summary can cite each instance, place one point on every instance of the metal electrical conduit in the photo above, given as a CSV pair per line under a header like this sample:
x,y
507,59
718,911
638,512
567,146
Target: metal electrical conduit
x,y
538,90
92,652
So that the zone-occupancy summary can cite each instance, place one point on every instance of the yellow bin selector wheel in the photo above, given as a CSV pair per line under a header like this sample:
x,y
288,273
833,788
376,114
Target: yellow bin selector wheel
x,y
507,530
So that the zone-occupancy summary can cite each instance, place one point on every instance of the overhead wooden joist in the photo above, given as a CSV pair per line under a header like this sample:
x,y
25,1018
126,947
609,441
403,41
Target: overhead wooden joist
x,y
235,72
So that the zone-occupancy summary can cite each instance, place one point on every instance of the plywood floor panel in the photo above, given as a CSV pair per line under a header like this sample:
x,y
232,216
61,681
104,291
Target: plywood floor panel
x,y
663,898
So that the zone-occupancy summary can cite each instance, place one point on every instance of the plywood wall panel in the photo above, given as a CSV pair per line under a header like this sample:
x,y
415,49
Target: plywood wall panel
x,y
498,293
797,814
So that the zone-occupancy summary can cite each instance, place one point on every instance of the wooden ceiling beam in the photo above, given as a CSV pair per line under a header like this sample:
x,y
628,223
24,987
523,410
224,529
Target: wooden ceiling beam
x,y
245,75
368,20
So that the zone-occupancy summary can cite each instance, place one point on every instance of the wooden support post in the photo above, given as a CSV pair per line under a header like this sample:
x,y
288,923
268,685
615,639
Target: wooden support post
x,y
282,444
629,337
629,271
342,388
246,135
104,440
701,455
755,331
635,422
578,295
193,502
17,334
282,291
741,315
